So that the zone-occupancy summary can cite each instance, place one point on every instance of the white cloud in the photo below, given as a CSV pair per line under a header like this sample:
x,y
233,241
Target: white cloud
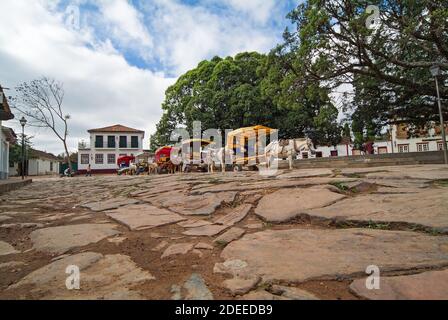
x,y
101,87
258,10
188,34
125,21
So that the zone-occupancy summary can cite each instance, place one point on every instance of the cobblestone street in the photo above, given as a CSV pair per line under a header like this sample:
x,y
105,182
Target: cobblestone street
x,y
300,234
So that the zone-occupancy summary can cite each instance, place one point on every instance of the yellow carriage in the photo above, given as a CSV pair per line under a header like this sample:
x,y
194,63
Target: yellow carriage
x,y
247,145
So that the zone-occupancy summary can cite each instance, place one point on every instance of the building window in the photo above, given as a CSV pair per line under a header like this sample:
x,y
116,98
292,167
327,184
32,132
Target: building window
x,y
334,153
318,154
382,150
134,142
440,145
304,155
99,143
111,158
422,147
51,165
123,141
111,141
84,159
99,158
403,148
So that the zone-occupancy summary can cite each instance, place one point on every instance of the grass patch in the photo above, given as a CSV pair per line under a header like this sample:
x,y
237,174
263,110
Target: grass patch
x,y
441,183
221,244
376,225
339,185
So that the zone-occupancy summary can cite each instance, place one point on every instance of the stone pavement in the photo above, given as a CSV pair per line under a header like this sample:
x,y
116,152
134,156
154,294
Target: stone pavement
x,y
301,234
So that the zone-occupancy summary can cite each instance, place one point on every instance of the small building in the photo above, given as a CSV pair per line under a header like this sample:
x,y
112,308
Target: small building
x,y
343,149
38,163
7,135
42,163
106,145
407,139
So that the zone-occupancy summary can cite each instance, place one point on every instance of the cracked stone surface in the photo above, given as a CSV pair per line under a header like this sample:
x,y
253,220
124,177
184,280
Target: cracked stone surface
x,y
286,204
429,210
268,261
230,235
237,214
208,230
292,293
143,216
4,218
262,295
431,285
109,204
58,240
240,285
6,248
204,246
295,255
202,205
178,248
197,289
102,277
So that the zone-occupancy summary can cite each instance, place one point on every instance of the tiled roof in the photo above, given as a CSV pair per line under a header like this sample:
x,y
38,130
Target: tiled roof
x,y
11,136
116,128
5,111
43,155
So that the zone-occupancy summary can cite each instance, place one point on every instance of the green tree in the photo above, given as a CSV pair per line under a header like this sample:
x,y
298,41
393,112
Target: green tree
x,y
388,65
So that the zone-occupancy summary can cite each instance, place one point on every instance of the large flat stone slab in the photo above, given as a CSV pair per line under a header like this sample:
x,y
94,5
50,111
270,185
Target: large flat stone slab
x,y
177,248
58,240
206,231
143,216
297,255
269,183
237,214
230,235
203,205
101,277
109,204
286,204
431,285
427,208
6,248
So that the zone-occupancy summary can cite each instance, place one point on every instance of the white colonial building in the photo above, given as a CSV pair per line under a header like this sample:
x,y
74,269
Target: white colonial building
x,y
107,145
7,135
427,139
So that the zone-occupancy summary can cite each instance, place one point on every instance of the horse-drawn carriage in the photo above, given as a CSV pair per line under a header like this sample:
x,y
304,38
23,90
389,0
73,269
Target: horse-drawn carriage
x,y
193,153
247,146
162,159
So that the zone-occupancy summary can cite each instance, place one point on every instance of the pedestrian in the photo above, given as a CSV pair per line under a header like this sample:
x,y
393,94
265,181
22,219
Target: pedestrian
x,y
89,171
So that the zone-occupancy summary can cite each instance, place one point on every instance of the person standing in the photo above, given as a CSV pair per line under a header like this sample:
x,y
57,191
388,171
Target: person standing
x,y
89,171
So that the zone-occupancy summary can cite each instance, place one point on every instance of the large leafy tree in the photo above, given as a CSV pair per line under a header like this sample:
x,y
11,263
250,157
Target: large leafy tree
x,y
387,64
246,90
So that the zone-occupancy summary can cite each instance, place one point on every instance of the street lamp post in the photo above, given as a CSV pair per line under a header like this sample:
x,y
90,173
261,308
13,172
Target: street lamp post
x,y
23,123
435,71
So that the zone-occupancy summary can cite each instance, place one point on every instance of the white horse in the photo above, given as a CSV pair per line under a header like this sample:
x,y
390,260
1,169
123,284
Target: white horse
x,y
283,149
215,157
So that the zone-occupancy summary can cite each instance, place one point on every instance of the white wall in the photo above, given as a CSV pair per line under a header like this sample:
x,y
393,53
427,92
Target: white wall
x,y
38,167
341,149
412,143
4,155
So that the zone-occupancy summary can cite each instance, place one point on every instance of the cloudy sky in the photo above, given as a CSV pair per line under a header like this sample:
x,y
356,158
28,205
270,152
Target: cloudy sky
x,y
117,57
